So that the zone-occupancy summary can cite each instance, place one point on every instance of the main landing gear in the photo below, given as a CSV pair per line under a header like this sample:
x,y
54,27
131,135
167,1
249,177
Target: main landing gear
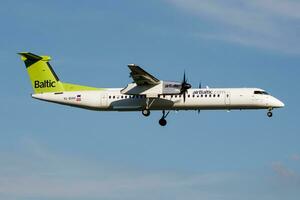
x,y
146,112
163,120
269,113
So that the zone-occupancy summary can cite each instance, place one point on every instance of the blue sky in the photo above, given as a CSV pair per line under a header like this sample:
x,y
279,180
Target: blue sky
x,y
52,152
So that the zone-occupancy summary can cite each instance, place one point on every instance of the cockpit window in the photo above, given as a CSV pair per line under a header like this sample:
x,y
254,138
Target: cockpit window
x,y
261,92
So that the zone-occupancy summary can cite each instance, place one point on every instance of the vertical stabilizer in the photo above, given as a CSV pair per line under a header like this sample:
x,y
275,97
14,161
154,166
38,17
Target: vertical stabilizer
x,y
42,76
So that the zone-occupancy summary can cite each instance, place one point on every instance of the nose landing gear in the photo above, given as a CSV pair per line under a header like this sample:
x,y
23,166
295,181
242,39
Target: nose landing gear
x,y
269,113
163,120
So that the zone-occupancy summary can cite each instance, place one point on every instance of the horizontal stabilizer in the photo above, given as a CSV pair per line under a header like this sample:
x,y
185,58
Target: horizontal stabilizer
x,y
32,57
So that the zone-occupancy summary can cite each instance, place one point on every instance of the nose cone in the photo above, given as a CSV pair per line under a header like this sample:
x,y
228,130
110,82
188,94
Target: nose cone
x,y
277,103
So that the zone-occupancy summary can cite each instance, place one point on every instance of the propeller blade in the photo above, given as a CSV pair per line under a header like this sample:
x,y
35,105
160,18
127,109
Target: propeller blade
x,y
184,86
200,86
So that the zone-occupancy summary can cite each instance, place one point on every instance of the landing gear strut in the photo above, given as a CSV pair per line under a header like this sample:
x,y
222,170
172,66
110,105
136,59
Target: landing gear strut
x,y
163,120
146,112
269,113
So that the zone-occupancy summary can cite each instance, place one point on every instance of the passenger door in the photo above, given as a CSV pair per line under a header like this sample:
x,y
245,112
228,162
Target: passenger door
x,y
227,99
103,100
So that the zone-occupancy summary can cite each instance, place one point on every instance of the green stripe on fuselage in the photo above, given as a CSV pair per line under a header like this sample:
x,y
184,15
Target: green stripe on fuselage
x,y
68,87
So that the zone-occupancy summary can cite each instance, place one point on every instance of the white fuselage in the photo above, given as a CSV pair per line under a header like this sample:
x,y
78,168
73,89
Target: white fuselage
x,y
196,99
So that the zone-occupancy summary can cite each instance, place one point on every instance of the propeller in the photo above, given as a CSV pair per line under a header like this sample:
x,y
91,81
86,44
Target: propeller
x,y
184,86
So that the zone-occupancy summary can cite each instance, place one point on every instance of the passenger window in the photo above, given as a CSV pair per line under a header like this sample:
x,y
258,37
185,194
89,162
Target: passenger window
x,y
210,95
214,95
189,95
206,95
109,97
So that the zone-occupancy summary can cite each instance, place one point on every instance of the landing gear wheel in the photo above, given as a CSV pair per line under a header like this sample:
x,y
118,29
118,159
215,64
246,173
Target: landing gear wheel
x,y
146,112
162,122
270,114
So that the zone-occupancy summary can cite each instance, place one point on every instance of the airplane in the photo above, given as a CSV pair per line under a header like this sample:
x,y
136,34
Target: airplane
x,y
146,93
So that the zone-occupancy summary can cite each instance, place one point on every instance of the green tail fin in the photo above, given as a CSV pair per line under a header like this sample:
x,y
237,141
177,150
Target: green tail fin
x,y
43,77
41,74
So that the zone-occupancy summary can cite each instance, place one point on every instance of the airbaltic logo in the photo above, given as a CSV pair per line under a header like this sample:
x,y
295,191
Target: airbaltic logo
x,y
44,84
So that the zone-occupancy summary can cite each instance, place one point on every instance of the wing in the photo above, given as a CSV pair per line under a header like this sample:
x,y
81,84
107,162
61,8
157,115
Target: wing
x,y
141,77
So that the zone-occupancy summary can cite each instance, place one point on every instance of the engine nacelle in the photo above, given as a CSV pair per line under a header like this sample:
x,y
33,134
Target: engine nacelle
x,y
164,87
171,87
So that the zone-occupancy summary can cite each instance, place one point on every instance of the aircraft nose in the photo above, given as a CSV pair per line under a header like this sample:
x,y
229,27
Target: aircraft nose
x,y
277,103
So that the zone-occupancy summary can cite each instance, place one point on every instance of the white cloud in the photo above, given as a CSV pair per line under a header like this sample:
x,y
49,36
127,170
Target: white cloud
x,y
295,157
35,172
38,173
283,171
269,24
284,8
